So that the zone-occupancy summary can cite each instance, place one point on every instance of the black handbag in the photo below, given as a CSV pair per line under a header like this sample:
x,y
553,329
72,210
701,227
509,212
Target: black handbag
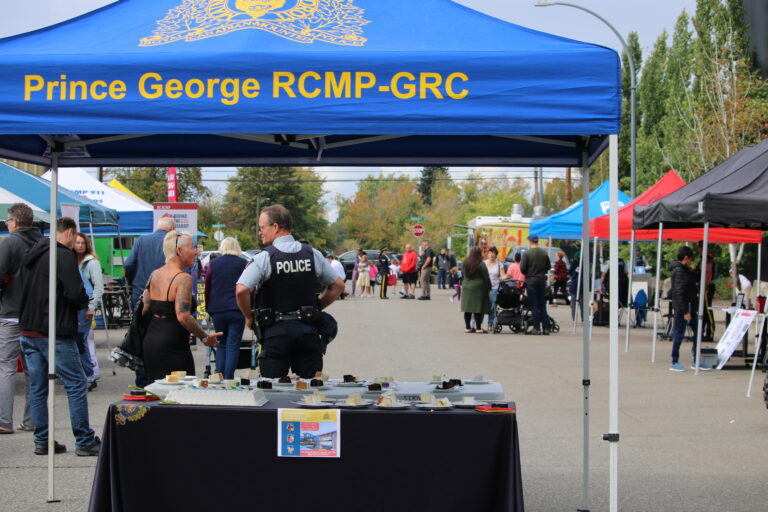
x,y
130,353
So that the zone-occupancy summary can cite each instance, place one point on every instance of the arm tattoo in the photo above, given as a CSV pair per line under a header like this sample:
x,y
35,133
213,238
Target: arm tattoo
x,y
184,307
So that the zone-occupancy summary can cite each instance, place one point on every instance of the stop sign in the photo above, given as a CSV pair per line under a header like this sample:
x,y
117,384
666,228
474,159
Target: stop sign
x,y
418,230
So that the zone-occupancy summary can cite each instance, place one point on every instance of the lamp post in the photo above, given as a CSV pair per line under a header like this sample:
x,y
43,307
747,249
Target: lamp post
x,y
632,90
259,201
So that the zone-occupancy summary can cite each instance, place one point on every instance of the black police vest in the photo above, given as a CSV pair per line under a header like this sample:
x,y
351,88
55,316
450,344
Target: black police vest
x,y
293,281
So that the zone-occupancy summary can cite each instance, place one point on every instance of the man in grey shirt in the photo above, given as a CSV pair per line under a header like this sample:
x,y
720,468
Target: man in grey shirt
x,y
285,276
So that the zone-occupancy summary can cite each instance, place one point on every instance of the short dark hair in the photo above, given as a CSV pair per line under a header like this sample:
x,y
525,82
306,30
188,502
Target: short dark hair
x,y
64,224
683,252
22,214
279,214
518,257
494,250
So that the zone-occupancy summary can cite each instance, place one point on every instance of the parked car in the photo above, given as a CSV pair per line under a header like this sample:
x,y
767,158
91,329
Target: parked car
x,y
347,260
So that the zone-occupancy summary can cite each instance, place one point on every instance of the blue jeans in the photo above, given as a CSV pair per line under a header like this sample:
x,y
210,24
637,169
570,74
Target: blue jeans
x,y
492,314
85,357
441,278
231,324
70,370
537,301
679,332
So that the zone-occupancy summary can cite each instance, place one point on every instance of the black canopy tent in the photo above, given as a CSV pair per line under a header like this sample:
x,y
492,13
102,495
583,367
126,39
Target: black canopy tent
x,y
733,194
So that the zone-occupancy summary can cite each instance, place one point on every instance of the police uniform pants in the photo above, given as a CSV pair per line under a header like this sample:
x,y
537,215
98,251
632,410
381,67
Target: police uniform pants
x,y
291,346
383,287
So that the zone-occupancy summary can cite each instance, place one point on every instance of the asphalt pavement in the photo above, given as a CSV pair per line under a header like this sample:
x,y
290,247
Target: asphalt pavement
x,y
687,443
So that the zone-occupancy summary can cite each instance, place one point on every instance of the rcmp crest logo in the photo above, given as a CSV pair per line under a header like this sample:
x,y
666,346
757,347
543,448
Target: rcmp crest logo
x,y
303,21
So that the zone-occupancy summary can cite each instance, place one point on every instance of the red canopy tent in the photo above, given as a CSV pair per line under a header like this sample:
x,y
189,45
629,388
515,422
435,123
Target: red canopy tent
x,y
598,227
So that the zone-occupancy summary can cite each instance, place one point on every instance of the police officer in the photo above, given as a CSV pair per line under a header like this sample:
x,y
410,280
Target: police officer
x,y
383,272
286,275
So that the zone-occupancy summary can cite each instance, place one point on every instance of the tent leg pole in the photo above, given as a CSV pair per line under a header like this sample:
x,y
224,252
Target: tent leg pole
x,y
629,291
759,268
586,331
758,342
613,395
657,294
52,282
702,290
592,284
574,300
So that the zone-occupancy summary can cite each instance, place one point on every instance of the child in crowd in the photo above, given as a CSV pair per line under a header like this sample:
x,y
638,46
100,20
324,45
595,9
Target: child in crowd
x,y
455,280
373,270
394,270
364,276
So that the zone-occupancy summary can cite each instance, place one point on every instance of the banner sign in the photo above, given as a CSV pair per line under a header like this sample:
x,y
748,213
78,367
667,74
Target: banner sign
x,y
172,185
72,211
740,322
309,433
185,215
200,312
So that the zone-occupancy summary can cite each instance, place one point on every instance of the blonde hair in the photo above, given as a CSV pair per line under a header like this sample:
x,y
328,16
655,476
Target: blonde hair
x,y
230,246
172,241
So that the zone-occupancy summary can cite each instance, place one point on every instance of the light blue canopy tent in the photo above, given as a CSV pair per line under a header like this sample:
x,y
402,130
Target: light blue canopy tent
x,y
36,191
568,224
304,83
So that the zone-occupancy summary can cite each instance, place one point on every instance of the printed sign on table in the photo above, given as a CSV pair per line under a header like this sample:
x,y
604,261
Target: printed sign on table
x,y
309,433
740,321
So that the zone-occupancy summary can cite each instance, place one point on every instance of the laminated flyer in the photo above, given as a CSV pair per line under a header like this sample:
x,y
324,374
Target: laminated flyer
x,y
309,433
740,321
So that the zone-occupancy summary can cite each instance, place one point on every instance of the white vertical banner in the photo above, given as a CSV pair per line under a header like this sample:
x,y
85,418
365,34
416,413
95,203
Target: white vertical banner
x,y
184,214
69,210
741,319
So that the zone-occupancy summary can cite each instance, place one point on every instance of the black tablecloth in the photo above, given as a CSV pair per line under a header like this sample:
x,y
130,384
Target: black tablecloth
x,y
194,458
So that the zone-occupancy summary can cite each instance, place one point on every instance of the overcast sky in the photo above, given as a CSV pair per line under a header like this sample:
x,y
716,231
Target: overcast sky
x,y
646,17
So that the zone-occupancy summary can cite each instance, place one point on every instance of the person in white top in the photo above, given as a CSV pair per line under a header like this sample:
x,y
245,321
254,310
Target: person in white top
x,y
496,273
394,269
339,268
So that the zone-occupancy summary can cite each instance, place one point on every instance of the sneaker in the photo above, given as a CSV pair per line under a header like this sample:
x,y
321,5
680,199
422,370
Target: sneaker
x,y
42,449
534,332
677,367
545,332
92,385
703,367
423,297
451,300
411,296
90,451
404,297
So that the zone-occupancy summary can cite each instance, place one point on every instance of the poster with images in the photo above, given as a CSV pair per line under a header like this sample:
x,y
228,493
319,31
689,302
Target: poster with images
x,y
309,433
184,214
740,322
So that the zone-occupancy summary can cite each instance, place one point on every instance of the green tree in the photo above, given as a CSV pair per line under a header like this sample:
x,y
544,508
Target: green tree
x,y
625,135
300,190
150,183
429,177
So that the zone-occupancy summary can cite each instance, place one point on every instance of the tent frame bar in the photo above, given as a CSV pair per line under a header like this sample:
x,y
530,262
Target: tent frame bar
x,y
541,140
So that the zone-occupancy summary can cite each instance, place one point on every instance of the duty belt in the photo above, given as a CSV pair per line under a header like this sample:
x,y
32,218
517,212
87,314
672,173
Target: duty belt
x,y
279,317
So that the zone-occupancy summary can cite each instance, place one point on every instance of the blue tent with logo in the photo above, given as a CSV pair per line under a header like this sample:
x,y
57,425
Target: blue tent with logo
x,y
569,223
304,83
320,82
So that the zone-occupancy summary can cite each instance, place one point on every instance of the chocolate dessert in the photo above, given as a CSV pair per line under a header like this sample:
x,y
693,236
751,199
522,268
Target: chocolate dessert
x,y
456,382
264,384
315,383
350,378
244,381
447,384
374,387
284,380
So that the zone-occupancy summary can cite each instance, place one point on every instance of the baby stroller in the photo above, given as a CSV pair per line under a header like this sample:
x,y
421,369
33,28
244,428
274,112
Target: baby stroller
x,y
511,307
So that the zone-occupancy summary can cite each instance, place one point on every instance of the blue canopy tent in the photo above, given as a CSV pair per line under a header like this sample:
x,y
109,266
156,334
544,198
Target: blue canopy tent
x,y
568,224
36,190
305,82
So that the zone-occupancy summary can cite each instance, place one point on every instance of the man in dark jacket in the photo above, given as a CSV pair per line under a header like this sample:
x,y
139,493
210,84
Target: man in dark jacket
x,y
383,268
535,266
683,295
70,297
22,236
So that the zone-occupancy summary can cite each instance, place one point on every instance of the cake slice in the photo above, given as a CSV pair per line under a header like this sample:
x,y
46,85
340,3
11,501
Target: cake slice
x,y
216,378
179,374
427,398
354,399
171,378
302,385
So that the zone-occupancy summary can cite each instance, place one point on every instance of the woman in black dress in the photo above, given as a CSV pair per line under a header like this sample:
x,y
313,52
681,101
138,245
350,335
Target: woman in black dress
x,y
168,298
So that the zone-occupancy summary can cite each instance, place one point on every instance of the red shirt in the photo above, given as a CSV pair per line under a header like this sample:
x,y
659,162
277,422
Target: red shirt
x,y
408,265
